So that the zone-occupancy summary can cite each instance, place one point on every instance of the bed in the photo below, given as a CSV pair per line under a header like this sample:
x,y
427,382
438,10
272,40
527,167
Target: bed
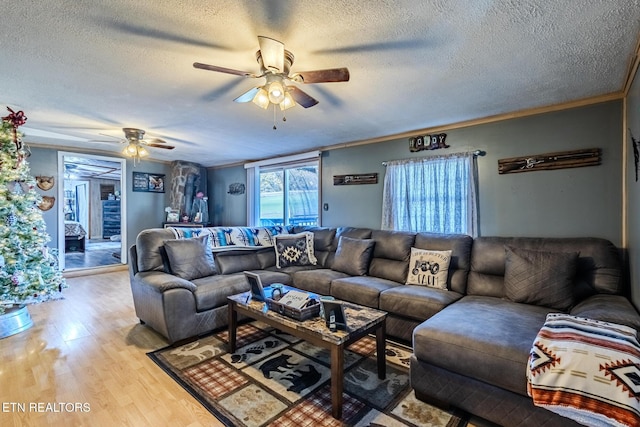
x,y
74,236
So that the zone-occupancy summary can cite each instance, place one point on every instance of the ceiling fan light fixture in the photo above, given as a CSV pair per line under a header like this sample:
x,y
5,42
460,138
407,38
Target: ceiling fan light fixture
x,y
287,102
276,92
142,152
130,150
261,99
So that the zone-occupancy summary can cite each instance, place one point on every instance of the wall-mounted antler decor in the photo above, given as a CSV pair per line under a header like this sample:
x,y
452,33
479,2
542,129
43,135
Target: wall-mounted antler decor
x,y
557,160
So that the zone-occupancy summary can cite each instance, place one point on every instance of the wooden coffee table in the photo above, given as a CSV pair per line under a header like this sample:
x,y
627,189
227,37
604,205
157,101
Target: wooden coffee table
x,y
361,321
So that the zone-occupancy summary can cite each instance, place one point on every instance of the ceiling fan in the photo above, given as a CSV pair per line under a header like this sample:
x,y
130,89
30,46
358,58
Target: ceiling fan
x,y
275,65
136,145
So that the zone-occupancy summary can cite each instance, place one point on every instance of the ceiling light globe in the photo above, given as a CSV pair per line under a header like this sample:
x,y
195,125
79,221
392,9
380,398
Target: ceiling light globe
x,y
142,152
261,99
287,102
276,92
131,150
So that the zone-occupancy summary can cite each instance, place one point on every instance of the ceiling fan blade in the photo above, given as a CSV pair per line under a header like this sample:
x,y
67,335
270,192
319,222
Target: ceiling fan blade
x,y
322,76
301,97
166,147
248,95
223,70
272,52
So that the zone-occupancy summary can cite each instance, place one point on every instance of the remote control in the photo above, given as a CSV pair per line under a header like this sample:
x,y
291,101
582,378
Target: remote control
x,y
332,321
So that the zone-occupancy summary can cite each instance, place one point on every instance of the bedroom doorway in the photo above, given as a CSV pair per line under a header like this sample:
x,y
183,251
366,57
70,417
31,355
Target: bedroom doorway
x,y
91,228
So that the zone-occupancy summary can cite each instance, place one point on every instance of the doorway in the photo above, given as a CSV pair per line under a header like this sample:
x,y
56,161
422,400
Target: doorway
x,y
92,226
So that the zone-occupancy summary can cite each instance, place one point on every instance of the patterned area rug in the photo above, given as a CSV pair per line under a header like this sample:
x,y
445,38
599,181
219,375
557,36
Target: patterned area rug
x,y
275,379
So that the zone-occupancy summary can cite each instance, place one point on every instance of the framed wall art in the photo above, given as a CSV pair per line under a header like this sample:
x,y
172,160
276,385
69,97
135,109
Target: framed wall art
x,y
148,182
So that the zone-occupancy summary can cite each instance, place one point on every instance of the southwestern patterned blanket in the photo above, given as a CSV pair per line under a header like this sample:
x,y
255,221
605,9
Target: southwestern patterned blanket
x,y
586,370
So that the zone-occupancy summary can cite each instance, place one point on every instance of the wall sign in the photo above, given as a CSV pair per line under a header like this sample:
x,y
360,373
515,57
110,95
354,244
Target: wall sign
x,y
354,179
428,142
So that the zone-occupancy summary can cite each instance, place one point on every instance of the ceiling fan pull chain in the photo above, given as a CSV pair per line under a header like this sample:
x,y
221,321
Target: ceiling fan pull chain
x,y
274,117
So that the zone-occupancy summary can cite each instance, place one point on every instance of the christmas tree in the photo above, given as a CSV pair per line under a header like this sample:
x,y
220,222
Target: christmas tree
x,y
28,271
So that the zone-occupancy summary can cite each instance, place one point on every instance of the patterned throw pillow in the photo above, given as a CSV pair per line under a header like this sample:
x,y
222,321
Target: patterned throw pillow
x,y
429,268
190,258
294,249
540,278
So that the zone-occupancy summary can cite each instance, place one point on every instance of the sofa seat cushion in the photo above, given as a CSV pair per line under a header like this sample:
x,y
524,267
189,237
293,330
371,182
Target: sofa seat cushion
x,y
317,281
477,337
212,291
363,290
415,301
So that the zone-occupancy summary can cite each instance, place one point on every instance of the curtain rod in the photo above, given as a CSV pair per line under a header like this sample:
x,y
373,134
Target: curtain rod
x,y
476,153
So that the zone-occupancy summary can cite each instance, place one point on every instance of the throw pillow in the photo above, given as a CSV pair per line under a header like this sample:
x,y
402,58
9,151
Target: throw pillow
x,y
353,256
294,250
429,268
540,278
190,258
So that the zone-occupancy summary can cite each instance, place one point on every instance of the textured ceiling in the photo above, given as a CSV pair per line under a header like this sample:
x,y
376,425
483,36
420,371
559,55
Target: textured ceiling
x,y
82,68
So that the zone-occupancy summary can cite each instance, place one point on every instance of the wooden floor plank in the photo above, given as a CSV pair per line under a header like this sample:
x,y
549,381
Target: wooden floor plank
x,y
89,349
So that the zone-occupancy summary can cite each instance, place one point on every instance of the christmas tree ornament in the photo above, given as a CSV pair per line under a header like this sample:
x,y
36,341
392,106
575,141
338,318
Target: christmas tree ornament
x,y
11,220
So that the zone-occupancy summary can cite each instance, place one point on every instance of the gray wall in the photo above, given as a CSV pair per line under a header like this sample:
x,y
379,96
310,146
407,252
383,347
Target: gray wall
x,y
567,202
227,209
45,163
144,210
633,192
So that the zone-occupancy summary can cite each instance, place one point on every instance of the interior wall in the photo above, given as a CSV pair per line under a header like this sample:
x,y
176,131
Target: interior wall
x,y
227,209
44,162
144,210
633,190
566,202
583,201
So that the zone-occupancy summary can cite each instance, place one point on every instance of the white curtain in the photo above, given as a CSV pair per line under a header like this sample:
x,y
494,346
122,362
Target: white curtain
x,y
436,193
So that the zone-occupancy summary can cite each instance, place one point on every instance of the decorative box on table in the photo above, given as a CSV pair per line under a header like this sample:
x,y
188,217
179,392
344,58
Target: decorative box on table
x,y
300,314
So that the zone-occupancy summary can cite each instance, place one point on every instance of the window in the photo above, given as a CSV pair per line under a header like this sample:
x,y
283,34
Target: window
x,y
285,193
436,193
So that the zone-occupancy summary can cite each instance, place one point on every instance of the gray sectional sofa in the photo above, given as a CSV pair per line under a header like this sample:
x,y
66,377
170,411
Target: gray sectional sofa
x,y
471,341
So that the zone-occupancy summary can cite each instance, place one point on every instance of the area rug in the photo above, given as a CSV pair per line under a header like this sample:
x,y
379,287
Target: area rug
x,y
275,379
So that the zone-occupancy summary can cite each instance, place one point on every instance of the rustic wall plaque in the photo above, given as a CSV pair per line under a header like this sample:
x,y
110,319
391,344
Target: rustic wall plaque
x,y
353,179
547,161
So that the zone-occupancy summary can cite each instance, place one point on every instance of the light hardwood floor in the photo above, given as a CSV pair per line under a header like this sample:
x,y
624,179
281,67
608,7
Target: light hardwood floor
x,y
89,350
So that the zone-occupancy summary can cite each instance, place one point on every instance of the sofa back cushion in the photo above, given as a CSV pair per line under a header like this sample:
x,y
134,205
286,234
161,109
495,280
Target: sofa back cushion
x,y
540,278
459,264
598,268
150,248
234,261
391,254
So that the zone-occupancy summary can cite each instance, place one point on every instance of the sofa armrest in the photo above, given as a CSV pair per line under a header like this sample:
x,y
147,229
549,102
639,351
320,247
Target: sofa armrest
x,y
608,308
162,282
